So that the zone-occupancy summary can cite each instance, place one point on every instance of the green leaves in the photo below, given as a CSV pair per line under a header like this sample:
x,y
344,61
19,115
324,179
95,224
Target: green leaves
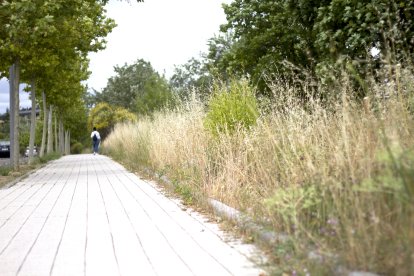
x,y
51,39
270,34
267,33
104,117
232,108
137,87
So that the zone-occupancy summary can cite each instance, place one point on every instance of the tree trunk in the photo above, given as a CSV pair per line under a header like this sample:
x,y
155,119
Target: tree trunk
x,y
49,131
56,147
61,137
32,123
45,114
67,142
14,114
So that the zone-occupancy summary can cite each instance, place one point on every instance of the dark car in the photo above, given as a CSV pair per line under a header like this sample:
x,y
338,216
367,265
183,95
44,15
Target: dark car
x,y
5,149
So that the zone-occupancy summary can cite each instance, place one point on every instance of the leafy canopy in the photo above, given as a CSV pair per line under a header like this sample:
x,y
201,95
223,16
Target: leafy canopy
x,y
137,87
104,117
267,37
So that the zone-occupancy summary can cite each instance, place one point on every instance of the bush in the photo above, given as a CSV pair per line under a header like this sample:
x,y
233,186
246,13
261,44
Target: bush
x,y
23,141
76,148
101,117
231,108
4,171
104,117
122,115
49,157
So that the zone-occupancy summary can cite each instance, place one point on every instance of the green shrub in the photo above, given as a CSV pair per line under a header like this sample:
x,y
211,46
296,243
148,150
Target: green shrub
x,y
76,148
184,191
231,107
49,157
4,171
122,115
23,141
105,116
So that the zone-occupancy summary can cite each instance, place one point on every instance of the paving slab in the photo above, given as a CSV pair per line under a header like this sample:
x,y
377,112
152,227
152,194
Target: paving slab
x,y
87,215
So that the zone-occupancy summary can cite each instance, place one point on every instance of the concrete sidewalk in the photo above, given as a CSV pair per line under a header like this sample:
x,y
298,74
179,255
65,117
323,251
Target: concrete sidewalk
x,y
87,215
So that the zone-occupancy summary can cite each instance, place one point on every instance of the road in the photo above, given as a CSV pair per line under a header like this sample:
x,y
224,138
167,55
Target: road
x,y
87,215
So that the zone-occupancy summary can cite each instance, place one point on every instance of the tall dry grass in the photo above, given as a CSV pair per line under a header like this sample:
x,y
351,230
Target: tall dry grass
x,y
340,178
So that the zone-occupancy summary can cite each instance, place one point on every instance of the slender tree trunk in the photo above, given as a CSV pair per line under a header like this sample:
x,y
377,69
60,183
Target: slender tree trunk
x,y
56,147
61,137
45,115
64,136
32,123
67,142
14,114
50,131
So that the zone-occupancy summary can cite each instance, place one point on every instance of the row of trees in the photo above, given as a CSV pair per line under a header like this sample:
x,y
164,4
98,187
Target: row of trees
x,y
45,44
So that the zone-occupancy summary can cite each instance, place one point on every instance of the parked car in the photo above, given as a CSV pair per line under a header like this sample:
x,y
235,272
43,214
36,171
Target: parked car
x,y
26,153
4,148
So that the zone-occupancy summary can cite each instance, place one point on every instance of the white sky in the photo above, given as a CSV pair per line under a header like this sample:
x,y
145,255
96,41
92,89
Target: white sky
x,y
162,32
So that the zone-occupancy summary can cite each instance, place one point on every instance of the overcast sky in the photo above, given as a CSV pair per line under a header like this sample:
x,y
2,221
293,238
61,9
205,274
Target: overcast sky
x,y
163,32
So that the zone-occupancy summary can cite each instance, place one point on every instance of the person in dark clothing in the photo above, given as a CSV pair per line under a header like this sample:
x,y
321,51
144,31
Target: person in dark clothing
x,y
96,140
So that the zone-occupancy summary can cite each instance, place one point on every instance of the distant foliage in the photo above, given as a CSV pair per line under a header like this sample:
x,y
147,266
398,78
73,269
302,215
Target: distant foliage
x,y
121,115
156,95
231,108
101,117
76,148
104,117
137,88
127,84
191,76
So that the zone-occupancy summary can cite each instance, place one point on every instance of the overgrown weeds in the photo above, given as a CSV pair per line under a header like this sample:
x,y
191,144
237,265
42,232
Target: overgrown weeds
x,y
49,157
338,177
5,170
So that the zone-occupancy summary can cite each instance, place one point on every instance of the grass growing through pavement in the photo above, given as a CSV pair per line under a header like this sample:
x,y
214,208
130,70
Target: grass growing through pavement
x,y
338,177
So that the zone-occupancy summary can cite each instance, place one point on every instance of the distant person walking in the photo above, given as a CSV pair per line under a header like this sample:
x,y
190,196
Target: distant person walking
x,y
96,140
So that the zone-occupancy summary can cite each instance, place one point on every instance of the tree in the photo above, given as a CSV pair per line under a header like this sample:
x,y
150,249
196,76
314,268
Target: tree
x,y
104,117
268,33
136,87
156,95
352,28
220,55
129,81
193,75
32,123
276,37
65,81
34,27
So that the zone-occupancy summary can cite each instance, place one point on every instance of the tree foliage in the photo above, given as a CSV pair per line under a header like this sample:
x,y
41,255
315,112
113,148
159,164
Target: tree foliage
x,y
269,32
264,37
136,87
156,95
104,117
352,28
128,82
47,42
193,75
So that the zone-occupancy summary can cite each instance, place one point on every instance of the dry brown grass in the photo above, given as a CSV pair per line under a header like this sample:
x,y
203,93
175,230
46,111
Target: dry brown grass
x,y
340,178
